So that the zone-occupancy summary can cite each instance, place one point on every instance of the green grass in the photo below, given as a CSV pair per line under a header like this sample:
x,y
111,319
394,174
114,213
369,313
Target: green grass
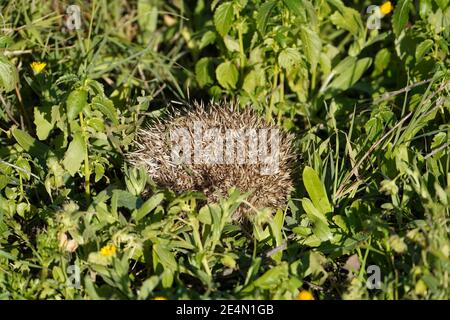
x,y
369,109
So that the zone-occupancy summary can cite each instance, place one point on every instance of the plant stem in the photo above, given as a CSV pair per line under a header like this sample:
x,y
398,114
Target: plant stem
x,y
87,169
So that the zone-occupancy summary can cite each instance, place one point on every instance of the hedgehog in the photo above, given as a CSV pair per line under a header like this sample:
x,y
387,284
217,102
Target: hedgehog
x,y
212,148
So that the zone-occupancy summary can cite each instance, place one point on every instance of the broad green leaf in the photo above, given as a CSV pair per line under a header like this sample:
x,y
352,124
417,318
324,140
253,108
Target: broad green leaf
x,y
320,224
204,215
382,60
209,37
148,206
165,257
231,44
76,101
9,76
254,79
316,190
295,6
350,76
43,121
75,154
312,46
348,19
423,48
289,57
204,71
29,144
263,15
272,277
223,18
227,74
106,106
400,16
125,199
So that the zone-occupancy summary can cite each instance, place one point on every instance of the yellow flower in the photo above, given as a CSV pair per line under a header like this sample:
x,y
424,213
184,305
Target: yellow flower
x,y
305,295
108,250
159,298
38,66
386,7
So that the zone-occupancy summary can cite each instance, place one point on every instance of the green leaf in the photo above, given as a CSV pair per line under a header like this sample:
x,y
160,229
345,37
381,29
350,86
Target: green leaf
x,y
316,190
76,101
165,257
148,206
223,18
204,71
312,46
254,79
43,124
423,48
263,15
382,60
320,224
106,106
272,277
9,76
289,58
122,198
29,144
400,16
75,154
209,37
351,75
227,75
348,19
295,6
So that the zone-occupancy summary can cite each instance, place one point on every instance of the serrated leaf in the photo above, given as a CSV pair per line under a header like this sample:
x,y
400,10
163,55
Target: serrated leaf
x,y
263,15
312,46
223,18
400,16
227,74
9,76
75,154
76,101
289,57
106,106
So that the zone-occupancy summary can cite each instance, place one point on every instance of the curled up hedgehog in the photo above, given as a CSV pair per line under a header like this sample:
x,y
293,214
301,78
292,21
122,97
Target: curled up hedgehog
x,y
215,147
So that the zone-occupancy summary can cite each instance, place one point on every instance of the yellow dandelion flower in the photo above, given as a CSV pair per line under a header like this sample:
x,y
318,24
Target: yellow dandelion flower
x,y
159,298
305,295
386,8
108,250
38,66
